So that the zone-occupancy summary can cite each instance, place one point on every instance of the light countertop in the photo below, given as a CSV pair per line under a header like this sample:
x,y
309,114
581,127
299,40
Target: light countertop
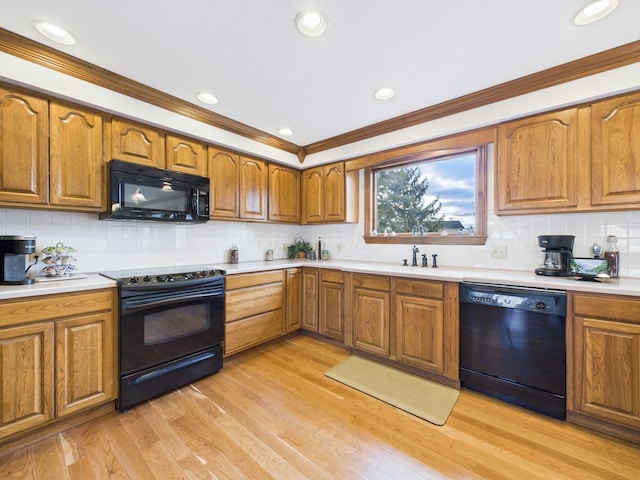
x,y
621,286
88,281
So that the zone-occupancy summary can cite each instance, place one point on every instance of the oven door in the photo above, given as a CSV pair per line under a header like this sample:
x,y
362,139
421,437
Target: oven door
x,y
161,325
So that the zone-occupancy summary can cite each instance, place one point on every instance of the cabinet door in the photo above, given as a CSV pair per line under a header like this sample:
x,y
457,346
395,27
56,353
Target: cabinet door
x,y
313,195
75,156
135,143
24,148
253,189
334,193
331,310
84,362
420,332
186,156
616,151
293,302
310,302
224,175
284,194
371,321
607,370
537,163
26,377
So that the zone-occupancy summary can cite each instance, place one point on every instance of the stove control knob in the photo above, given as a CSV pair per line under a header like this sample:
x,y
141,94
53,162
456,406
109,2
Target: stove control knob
x,y
189,276
540,305
203,273
164,278
147,279
134,281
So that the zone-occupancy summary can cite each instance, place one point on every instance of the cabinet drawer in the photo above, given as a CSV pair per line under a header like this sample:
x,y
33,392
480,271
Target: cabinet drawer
x,y
47,307
252,331
334,276
606,306
247,302
373,282
416,288
233,282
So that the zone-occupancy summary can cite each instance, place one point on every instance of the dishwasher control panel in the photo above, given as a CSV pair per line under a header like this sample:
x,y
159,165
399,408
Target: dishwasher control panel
x,y
504,296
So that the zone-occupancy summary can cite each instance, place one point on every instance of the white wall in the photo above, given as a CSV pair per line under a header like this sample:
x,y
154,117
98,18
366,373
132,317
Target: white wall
x,y
117,245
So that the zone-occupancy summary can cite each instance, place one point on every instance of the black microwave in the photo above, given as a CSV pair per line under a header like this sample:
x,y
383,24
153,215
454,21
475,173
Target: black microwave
x,y
139,192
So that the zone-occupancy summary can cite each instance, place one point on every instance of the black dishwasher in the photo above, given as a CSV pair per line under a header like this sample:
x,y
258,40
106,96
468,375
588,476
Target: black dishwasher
x,y
512,345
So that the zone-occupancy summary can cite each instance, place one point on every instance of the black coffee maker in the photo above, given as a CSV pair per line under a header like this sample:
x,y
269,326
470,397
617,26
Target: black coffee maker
x,y
558,251
13,248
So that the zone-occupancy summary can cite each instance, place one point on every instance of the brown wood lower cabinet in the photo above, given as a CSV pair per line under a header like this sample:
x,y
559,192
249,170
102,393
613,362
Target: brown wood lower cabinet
x,y
293,303
370,314
85,363
420,323
406,321
310,289
39,383
604,363
331,304
254,309
323,302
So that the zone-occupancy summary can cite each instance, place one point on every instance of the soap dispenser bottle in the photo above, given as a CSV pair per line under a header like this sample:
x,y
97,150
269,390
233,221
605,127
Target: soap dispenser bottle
x,y
612,255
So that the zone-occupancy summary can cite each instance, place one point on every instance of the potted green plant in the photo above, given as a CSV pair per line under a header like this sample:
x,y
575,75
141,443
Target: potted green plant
x,y
298,249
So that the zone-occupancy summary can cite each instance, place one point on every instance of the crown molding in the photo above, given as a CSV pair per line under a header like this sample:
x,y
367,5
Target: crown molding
x,y
37,53
600,62
29,50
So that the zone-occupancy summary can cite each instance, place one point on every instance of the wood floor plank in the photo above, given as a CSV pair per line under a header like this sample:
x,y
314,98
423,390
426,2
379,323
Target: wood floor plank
x,y
273,414
129,456
19,465
49,460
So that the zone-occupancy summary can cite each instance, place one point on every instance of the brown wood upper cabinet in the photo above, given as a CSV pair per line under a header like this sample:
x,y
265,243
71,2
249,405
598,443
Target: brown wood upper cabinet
x,y
185,155
238,186
51,153
579,159
75,158
254,178
329,194
134,142
24,148
615,152
223,172
538,163
284,194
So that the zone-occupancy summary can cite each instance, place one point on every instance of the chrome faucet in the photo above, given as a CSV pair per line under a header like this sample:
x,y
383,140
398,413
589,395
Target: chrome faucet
x,y
415,251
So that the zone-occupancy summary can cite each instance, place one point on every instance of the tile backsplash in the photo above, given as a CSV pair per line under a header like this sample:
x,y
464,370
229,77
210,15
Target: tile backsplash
x,y
115,245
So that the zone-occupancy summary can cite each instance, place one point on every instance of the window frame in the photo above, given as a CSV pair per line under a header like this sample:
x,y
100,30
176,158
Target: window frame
x,y
480,234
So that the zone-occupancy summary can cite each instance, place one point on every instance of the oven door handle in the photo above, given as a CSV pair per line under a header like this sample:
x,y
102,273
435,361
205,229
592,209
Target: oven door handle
x,y
136,304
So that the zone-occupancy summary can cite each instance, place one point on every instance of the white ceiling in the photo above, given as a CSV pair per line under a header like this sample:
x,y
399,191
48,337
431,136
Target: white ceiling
x,y
267,75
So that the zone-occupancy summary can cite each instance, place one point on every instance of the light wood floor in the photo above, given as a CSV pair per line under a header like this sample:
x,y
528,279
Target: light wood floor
x,y
273,414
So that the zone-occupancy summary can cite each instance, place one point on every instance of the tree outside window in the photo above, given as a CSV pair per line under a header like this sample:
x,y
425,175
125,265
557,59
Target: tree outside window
x,y
430,199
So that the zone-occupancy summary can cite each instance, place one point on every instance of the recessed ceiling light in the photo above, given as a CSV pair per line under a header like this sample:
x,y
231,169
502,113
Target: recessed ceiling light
x,y
285,132
594,11
311,23
54,32
384,93
208,98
